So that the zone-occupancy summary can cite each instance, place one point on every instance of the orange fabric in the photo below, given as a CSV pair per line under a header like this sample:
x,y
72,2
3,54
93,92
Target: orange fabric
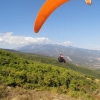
x,y
45,11
89,2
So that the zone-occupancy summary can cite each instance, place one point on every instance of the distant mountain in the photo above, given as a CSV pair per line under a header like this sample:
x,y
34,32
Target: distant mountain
x,y
78,56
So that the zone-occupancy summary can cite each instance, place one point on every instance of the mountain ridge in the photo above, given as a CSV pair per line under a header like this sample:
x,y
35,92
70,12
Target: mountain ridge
x,y
78,56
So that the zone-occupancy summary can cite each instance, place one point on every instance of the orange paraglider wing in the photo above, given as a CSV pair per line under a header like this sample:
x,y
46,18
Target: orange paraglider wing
x,y
89,2
45,11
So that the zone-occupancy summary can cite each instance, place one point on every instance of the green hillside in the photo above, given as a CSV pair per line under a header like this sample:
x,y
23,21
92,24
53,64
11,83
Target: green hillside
x,y
54,61
43,73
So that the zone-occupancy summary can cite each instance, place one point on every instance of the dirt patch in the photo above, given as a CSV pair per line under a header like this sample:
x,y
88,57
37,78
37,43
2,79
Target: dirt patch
x,y
22,94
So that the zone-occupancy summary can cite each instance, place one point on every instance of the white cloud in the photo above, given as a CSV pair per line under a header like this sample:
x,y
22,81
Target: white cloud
x,y
67,43
9,39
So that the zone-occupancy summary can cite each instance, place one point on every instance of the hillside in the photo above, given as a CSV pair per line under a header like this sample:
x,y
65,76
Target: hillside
x,y
28,73
54,61
78,56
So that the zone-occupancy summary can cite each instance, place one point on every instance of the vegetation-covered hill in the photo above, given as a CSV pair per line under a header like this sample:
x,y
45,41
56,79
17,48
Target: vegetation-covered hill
x,y
54,61
79,56
29,71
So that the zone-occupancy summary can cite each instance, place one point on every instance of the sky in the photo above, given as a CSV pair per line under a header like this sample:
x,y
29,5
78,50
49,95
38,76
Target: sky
x,y
72,24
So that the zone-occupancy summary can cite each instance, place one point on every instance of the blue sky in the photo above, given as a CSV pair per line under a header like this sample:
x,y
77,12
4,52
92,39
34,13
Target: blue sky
x,y
72,24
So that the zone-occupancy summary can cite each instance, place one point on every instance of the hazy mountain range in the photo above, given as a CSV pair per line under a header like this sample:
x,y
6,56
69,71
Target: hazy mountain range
x,y
79,56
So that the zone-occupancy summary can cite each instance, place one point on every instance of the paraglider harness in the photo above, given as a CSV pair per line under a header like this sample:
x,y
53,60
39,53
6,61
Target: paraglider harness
x,y
61,58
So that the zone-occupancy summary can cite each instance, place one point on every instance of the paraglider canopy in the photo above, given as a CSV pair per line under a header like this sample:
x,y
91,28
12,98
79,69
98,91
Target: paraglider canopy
x,y
48,7
89,2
